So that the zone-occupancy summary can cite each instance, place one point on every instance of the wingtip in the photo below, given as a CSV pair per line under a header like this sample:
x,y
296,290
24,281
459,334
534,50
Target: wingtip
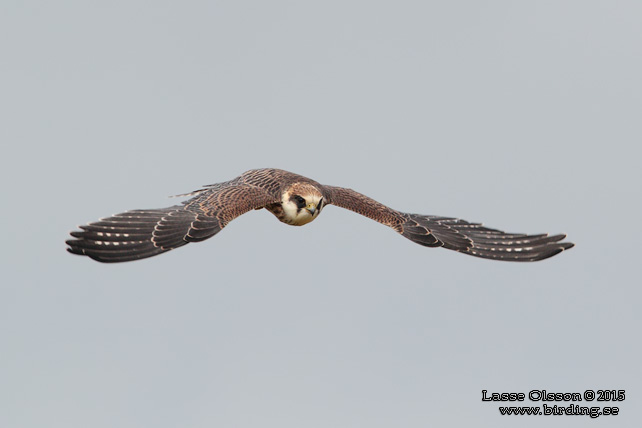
x,y
565,245
76,251
568,245
562,246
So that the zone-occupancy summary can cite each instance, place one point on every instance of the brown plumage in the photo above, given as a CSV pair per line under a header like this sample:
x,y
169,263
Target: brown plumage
x,y
294,200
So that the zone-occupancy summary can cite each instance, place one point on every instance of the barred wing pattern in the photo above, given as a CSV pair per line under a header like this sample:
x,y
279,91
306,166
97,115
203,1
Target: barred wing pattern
x,y
452,233
139,234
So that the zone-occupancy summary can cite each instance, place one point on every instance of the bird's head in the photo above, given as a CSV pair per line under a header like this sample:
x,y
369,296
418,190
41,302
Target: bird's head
x,y
302,203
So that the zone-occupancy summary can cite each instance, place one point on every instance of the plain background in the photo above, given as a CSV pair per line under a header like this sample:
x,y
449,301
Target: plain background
x,y
523,115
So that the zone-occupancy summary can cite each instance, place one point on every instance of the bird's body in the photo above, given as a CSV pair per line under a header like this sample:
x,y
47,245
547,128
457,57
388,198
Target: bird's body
x,y
295,200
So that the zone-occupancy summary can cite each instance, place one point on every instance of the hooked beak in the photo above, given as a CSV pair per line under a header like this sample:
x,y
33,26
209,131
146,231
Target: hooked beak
x,y
311,209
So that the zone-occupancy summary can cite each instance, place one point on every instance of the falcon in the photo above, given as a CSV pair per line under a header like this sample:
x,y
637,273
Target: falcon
x,y
294,200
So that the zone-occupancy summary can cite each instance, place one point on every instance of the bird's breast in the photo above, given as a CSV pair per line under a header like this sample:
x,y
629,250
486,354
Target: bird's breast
x,y
298,218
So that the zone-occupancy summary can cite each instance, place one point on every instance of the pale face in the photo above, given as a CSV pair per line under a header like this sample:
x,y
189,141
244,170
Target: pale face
x,y
302,207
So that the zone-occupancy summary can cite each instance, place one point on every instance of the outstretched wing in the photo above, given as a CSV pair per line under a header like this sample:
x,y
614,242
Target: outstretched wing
x,y
138,234
452,233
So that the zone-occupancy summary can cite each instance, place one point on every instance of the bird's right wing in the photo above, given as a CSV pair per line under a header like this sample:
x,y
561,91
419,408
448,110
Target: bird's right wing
x,y
139,234
452,233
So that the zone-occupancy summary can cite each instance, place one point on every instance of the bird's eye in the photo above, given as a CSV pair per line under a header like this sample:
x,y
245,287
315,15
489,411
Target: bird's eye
x,y
299,201
320,204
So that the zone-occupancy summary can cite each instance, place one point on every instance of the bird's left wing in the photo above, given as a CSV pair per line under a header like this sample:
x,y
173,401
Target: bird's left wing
x,y
139,234
452,233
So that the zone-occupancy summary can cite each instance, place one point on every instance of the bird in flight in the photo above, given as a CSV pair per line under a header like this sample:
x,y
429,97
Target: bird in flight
x,y
294,200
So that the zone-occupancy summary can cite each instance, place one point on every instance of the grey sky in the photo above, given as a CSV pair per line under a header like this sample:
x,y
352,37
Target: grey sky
x,y
523,115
